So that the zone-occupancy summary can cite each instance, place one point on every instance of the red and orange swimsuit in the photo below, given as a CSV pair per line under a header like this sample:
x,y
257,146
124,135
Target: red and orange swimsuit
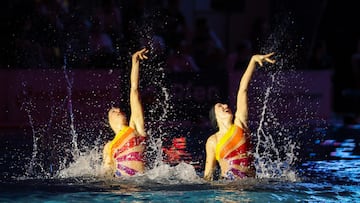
x,y
122,151
232,148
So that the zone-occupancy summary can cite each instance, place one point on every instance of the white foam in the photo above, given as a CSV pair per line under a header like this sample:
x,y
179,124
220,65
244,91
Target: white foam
x,y
86,165
182,172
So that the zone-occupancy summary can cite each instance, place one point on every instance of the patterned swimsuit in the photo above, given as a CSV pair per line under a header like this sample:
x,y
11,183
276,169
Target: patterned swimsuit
x,y
122,151
232,148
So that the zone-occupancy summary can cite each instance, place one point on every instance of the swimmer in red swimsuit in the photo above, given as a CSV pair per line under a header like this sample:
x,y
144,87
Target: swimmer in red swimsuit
x,y
229,145
123,156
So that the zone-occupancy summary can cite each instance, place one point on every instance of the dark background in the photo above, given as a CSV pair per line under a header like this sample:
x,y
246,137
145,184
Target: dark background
x,y
332,21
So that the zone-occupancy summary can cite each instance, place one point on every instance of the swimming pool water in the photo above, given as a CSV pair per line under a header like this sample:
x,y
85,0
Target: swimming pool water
x,y
318,181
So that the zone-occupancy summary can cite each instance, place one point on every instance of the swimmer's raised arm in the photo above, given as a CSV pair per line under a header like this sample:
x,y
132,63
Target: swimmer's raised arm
x,y
137,114
241,114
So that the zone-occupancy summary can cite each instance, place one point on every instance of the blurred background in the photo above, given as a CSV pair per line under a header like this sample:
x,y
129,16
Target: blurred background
x,y
101,34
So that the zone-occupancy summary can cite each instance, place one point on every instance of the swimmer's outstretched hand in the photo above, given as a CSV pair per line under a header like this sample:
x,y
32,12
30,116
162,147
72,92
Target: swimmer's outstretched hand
x,y
261,58
140,55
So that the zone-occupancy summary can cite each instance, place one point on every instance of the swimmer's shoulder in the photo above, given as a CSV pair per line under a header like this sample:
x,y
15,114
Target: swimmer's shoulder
x,y
211,140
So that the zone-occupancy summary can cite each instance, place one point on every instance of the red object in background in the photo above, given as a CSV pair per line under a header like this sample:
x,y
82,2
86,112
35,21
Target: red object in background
x,y
177,152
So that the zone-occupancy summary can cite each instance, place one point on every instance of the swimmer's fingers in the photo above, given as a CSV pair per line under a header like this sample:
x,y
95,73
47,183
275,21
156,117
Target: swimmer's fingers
x,y
269,55
260,63
142,50
268,59
144,56
142,53
261,58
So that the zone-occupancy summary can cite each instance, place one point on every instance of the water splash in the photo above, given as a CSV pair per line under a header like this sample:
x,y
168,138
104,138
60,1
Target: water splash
x,y
275,145
27,105
161,109
166,174
157,128
88,164
269,158
42,158
69,82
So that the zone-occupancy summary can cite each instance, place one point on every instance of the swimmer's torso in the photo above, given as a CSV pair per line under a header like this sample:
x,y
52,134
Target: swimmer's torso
x,y
126,151
232,154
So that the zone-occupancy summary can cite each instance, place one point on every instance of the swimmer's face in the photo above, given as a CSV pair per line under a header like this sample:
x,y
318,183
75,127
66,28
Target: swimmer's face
x,y
222,111
116,117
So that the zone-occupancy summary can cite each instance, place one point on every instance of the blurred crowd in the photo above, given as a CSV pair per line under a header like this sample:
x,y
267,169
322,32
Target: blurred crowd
x,y
101,34
50,33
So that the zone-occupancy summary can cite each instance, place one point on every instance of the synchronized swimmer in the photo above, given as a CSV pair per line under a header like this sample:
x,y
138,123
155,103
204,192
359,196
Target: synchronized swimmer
x,y
124,155
229,146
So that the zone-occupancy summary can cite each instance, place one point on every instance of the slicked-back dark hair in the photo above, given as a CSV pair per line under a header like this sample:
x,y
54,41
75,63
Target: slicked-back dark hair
x,y
212,118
